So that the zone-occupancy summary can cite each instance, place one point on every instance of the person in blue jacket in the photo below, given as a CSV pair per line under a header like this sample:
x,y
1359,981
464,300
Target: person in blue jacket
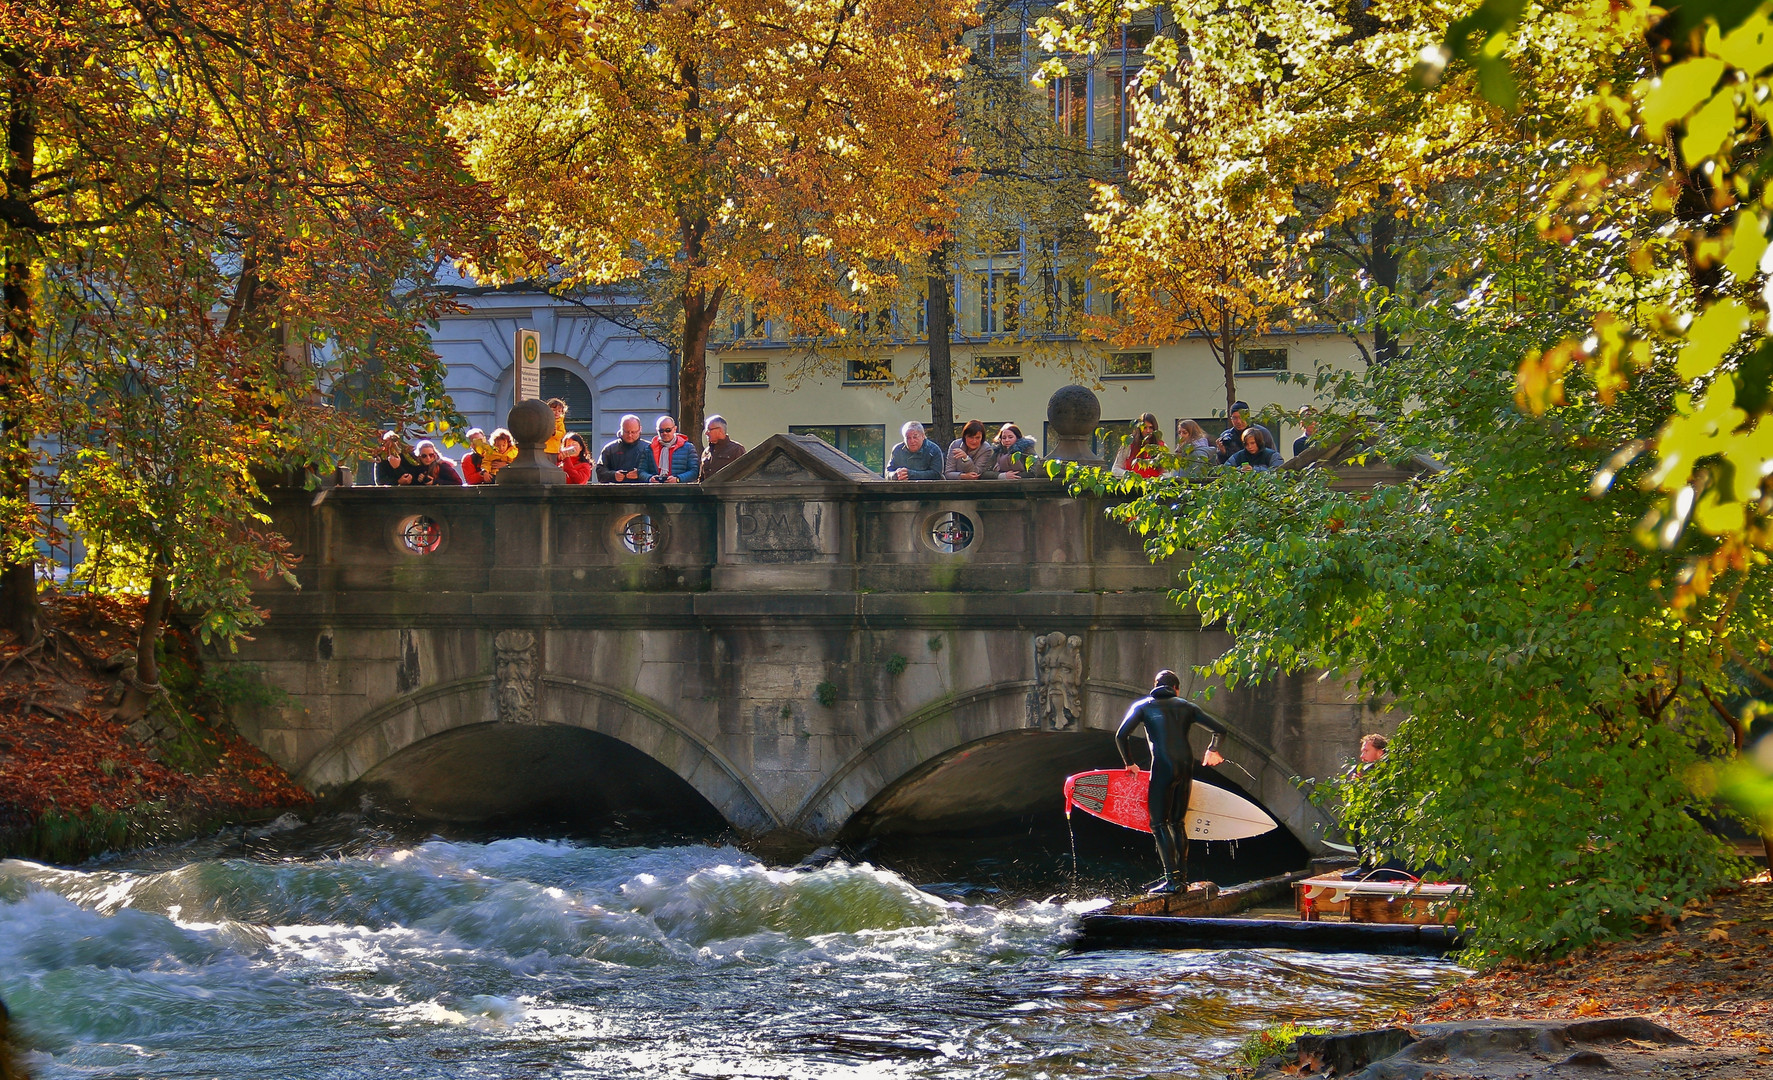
x,y
675,459
916,458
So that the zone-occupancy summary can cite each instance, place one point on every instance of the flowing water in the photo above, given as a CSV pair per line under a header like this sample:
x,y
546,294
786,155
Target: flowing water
x,y
519,958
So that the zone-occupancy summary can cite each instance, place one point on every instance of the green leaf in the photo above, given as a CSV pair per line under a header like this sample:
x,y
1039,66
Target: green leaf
x,y
1710,126
1748,243
1710,336
1678,92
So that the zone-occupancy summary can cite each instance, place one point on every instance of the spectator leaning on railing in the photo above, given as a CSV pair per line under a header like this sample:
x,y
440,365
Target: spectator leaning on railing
x,y
626,460
575,459
722,450
1231,440
1014,453
675,459
970,457
434,469
393,464
1258,453
916,458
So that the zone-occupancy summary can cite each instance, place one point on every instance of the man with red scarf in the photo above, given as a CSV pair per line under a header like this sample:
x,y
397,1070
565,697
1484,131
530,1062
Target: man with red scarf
x,y
675,459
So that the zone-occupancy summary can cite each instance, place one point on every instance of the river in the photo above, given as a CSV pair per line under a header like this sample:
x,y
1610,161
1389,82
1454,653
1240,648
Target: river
x,y
257,959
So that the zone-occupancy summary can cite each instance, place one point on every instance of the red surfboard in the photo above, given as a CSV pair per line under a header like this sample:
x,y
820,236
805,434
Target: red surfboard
x,y
1122,796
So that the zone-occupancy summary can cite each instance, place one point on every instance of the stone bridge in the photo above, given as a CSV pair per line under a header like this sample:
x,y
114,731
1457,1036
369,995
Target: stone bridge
x,y
813,651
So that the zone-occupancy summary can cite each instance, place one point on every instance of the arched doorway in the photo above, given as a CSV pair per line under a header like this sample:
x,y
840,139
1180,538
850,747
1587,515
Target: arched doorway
x,y
558,382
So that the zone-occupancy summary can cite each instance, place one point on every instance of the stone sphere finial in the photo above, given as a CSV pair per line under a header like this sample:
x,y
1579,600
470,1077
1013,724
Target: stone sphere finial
x,y
1073,412
531,423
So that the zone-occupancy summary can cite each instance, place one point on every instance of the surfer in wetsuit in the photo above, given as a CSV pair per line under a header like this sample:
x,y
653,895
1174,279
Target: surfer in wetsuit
x,y
1167,720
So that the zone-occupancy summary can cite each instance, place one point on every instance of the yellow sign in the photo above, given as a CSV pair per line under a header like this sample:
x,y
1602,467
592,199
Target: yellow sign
x,y
528,350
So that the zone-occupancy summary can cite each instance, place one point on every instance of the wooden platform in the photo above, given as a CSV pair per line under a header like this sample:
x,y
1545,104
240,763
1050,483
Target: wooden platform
x,y
1385,902
1206,900
1165,932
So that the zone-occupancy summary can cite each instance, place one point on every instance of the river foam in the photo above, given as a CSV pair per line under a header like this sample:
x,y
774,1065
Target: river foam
x,y
524,956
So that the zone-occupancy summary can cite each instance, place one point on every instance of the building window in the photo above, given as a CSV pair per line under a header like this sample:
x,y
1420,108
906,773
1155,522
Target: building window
x,y
1070,98
748,322
996,368
864,442
869,369
1006,44
1261,361
745,373
1061,296
563,384
1126,365
997,302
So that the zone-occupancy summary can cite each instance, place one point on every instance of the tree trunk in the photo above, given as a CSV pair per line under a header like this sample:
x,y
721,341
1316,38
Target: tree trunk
x,y
19,608
1228,361
940,317
147,662
1385,272
700,308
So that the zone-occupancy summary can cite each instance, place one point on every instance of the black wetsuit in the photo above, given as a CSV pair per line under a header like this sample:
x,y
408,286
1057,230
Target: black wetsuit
x,y
1167,720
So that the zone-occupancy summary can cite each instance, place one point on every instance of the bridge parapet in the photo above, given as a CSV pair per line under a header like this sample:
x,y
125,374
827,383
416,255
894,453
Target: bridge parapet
x,y
767,528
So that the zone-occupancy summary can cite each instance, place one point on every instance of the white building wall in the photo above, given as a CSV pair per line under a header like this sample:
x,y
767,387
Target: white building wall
x,y
626,372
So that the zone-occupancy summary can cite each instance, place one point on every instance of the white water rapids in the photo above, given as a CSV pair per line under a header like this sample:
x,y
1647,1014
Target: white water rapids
x,y
526,958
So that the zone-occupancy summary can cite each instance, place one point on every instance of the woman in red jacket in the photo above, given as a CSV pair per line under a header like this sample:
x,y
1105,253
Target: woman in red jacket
x,y
575,459
1145,448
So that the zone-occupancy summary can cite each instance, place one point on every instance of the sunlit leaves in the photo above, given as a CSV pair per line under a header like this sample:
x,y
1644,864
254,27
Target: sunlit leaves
x,y
1555,701
782,152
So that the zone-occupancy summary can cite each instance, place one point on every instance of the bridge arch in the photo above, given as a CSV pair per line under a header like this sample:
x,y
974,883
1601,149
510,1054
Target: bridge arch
x,y
943,730
621,715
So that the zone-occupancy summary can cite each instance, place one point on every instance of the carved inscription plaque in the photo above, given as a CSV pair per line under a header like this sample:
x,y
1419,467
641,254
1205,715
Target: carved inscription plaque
x,y
781,530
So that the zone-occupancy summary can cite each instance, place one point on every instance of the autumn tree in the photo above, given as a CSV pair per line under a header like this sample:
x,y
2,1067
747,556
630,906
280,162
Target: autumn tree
x,y
1315,102
1569,647
1190,243
788,154
215,211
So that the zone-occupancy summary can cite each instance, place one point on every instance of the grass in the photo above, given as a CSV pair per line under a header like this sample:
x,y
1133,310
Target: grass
x,y
1272,1040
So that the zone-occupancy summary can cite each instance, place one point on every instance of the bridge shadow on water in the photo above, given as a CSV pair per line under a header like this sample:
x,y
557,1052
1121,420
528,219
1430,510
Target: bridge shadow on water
x,y
987,823
983,823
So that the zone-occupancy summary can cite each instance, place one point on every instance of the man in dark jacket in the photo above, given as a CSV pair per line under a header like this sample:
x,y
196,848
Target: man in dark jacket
x,y
722,451
1167,720
626,460
1231,440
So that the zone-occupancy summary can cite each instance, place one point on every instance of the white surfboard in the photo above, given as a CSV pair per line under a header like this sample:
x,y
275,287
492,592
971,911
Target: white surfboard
x,y
1217,814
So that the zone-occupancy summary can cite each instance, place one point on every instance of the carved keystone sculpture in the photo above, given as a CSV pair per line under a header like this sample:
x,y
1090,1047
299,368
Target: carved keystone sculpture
x,y
1058,680
514,675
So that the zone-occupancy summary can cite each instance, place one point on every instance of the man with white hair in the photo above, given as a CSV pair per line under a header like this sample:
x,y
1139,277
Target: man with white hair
x,y
626,460
916,458
722,451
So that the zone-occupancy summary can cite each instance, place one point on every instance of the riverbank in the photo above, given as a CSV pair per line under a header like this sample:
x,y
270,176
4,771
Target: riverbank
x,y
1708,977
1693,998
77,782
